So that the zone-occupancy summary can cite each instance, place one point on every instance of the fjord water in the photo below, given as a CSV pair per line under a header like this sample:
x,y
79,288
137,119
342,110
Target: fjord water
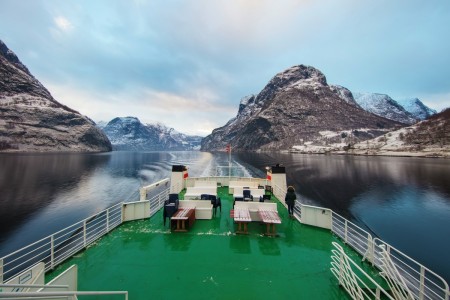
x,y
404,201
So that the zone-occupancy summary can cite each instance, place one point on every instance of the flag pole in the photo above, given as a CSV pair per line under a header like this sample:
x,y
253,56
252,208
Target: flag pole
x,y
229,160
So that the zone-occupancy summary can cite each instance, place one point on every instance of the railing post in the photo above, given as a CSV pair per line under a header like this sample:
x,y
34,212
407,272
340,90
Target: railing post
x,y
1,271
107,220
370,250
341,266
84,233
142,194
422,283
378,294
52,252
345,231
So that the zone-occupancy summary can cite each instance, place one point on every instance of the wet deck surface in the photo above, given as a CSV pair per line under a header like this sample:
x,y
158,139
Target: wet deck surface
x,y
210,261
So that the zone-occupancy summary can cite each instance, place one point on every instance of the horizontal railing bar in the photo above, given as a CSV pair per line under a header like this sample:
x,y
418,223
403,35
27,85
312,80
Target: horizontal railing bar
x,y
22,263
60,248
32,285
352,224
355,237
60,231
63,294
24,255
418,264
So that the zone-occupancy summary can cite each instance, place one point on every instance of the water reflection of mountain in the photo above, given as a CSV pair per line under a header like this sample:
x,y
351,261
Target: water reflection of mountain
x,y
30,182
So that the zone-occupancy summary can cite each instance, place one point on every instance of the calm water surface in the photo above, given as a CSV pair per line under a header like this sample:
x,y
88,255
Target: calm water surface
x,y
404,201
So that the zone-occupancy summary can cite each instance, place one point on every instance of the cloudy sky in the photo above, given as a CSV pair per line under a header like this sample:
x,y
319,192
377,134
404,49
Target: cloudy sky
x,y
187,63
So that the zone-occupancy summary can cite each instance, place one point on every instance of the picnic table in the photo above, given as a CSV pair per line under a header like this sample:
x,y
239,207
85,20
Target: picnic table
x,y
270,218
178,220
241,217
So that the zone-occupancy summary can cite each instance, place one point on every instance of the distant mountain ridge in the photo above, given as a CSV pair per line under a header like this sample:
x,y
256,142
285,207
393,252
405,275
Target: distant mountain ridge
x,y
32,120
296,106
385,106
415,107
128,133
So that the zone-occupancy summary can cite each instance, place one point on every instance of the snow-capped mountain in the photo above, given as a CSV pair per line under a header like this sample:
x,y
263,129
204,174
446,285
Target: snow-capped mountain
x,y
32,120
384,106
101,124
128,133
415,107
293,108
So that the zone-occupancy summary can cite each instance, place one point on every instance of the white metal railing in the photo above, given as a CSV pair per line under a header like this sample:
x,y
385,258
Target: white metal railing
x,y
56,248
353,235
68,294
421,281
279,192
143,191
394,279
352,278
157,201
20,285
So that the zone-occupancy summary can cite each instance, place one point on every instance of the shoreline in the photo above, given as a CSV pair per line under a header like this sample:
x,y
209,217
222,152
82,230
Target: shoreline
x,y
430,154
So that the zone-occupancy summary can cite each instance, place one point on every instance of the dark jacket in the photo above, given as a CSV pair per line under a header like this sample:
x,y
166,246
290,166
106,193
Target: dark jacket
x,y
290,197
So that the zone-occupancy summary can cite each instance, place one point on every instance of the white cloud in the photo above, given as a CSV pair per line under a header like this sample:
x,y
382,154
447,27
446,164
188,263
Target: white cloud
x,y
195,116
62,23
192,68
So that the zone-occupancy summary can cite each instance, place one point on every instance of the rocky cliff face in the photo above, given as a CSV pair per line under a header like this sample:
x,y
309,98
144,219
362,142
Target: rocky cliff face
x,y
295,107
130,134
32,120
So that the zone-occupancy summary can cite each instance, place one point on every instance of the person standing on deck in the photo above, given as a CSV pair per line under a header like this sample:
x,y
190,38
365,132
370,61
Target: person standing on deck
x,y
290,200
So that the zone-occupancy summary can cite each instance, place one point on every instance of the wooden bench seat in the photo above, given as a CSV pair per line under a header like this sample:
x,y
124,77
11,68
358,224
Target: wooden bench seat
x,y
267,213
241,216
270,218
183,219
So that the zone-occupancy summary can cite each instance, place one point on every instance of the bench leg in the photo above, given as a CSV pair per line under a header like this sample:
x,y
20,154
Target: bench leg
x,y
269,231
242,227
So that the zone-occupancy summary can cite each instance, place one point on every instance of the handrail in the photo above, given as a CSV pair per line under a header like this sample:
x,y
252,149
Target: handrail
x,y
62,294
2,285
60,245
353,235
344,269
393,278
423,283
143,190
57,247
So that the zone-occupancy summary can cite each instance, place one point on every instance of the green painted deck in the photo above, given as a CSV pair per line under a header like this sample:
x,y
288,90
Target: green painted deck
x,y
210,261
